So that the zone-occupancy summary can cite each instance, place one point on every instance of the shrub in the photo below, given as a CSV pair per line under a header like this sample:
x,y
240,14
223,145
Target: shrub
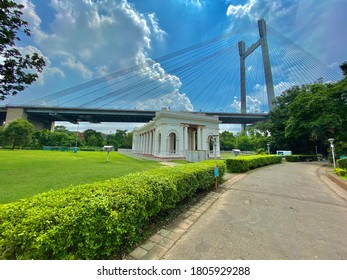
x,y
245,163
100,220
342,163
297,158
340,171
90,149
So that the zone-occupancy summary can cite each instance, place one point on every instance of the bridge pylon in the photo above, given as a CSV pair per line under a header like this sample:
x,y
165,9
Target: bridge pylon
x,y
262,42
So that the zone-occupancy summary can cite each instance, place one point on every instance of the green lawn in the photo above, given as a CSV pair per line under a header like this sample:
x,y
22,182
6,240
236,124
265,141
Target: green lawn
x,y
26,173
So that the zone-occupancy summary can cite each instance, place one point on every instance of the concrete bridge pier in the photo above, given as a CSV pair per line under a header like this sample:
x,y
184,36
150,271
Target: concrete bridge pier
x,y
19,113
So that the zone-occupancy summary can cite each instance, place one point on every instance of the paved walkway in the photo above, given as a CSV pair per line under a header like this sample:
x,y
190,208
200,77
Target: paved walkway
x,y
278,212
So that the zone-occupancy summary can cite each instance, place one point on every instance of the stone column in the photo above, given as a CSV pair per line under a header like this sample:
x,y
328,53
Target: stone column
x,y
155,142
218,147
194,140
199,146
141,144
146,144
151,142
133,147
185,138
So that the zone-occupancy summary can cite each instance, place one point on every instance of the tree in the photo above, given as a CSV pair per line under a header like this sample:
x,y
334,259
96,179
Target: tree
x,y
17,70
128,143
227,141
121,139
93,138
244,142
18,133
61,128
2,131
305,117
343,67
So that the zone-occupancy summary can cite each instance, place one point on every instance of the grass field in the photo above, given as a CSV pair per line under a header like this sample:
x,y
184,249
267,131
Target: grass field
x,y
26,173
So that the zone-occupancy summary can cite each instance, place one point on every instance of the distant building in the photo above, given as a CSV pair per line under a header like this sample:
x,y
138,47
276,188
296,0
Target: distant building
x,y
194,136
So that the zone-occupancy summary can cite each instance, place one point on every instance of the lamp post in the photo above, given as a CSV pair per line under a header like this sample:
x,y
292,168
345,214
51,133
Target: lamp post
x,y
268,148
331,140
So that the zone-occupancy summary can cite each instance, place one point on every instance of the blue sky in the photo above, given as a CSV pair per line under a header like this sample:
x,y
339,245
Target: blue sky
x,y
85,39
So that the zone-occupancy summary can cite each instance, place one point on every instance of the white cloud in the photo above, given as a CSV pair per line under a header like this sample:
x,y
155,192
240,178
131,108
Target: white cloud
x,y
48,70
168,84
175,101
234,128
314,25
34,20
158,32
88,36
197,4
253,105
240,11
94,38
72,63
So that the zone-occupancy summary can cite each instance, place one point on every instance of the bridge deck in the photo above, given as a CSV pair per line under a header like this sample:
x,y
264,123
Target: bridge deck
x,y
107,115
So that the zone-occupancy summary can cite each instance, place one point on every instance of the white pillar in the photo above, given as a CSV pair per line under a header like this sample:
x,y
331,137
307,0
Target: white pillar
x,y
146,144
155,143
162,144
180,149
194,139
133,147
141,144
151,142
185,138
218,147
199,146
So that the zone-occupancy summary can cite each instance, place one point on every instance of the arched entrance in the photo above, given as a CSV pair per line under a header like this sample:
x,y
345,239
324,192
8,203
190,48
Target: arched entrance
x,y
210,145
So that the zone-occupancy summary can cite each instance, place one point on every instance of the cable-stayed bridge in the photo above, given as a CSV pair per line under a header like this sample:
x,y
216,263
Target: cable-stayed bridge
x,y
234,76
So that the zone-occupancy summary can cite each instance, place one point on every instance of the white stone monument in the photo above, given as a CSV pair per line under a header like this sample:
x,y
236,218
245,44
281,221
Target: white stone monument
x,y
183,135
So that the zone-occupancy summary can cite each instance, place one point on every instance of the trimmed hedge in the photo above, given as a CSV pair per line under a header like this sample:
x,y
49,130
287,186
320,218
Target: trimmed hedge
x,y
297,158
102,220
340,171
342,163
245,163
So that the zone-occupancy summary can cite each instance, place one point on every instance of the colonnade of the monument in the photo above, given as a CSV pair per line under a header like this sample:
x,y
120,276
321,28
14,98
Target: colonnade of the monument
x,y
171,142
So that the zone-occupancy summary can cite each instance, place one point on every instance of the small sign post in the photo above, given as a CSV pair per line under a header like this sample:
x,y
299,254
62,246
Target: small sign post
x,y
216,175
107,149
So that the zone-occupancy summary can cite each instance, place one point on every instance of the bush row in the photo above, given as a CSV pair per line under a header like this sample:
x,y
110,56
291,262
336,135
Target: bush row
x,y
340,171
297,158
342,163
100,220
245,163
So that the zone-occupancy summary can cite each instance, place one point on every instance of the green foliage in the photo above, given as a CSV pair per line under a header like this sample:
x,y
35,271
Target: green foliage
x,y
245,163
227,141
2,131
93,138
97,221
340,171
343,68
305,117
17,69
18,133
342,163
120,139
56,138
251,140
297,158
